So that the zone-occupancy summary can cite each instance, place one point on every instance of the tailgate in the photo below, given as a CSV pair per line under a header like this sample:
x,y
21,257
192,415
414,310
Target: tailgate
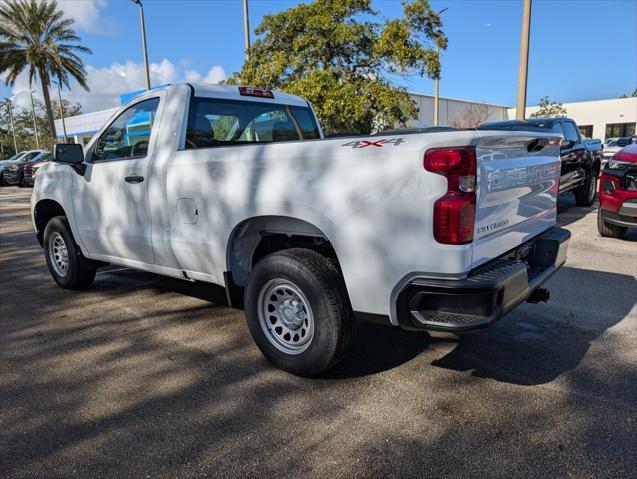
x,y
518,181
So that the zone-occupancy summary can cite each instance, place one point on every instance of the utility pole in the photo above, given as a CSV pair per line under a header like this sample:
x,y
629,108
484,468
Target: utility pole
x,y
437,92
143,28
10,108
246,28
437,83
35,124
61,109
523,69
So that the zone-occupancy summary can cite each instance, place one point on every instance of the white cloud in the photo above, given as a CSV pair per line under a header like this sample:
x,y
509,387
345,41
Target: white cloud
x,y
215,75
87,14
108,83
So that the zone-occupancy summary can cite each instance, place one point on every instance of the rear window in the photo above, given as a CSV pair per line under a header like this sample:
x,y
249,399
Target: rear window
x,y
214,122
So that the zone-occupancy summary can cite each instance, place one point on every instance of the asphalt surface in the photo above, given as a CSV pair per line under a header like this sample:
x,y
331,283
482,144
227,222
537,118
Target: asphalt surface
x,y
139,377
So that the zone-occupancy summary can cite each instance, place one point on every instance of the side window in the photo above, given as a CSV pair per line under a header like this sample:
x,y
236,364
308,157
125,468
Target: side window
x,y
215,122
129,134
557,128
570,131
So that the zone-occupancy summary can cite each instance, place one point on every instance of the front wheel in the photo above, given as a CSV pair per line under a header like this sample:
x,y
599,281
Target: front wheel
x,y
298,311
585,193
608,230
63,257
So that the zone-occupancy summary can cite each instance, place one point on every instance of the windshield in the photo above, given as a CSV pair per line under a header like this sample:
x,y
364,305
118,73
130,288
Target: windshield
x,y
16,156
41,157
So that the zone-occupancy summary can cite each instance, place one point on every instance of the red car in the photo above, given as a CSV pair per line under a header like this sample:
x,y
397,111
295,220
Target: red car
x,y
618,194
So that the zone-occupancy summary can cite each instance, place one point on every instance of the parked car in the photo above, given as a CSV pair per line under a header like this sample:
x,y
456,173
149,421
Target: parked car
x,y
30,169
615,145
9,161
618,194
15,174
580,160
19,159
236,187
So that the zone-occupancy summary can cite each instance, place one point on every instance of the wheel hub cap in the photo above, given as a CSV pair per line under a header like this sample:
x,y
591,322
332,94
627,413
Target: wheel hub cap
x,y
285,316
58,254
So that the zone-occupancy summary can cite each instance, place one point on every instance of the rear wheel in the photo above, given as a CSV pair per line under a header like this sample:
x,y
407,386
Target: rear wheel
x,y
298,311
585,193
608,230
63,256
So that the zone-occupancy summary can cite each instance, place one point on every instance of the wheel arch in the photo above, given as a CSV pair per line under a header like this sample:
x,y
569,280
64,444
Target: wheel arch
x,y
43,211
258,236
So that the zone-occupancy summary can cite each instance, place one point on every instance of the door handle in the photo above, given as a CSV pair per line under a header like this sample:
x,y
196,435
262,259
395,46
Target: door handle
x,y
134,179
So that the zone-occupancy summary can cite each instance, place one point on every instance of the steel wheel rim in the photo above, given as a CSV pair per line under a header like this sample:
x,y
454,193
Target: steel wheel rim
x,y
285,316
58,254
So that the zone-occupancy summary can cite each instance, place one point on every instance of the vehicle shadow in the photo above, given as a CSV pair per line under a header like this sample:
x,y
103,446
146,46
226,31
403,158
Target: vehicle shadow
x,y
532,345
537,343
568,212
377,348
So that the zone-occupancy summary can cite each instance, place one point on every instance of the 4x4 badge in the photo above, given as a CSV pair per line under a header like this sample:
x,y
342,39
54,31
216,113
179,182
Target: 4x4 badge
x,y
375,143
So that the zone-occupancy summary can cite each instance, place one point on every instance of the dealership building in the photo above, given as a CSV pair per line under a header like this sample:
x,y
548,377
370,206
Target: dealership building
x,y
596,119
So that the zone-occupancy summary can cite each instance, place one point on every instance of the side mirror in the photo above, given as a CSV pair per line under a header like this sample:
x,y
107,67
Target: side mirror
x,y
70,154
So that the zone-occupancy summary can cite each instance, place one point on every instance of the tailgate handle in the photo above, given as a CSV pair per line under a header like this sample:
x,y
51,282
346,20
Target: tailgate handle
x,y
536,145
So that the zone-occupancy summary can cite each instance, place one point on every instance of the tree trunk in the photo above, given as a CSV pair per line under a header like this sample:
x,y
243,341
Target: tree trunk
x,y
44,78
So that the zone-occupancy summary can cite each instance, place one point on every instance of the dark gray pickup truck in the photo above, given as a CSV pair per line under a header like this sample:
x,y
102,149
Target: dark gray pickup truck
x,y
581,159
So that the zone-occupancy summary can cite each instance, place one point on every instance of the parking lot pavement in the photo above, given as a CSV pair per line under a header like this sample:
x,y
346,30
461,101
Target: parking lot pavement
x,y
139,377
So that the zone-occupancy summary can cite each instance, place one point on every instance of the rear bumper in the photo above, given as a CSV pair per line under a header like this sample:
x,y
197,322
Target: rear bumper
x,y
488,293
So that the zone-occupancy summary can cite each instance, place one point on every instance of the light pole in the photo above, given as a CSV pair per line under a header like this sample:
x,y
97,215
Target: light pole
x,y
10,108
523,69
143,27
61,109
437,82
246,28
35,124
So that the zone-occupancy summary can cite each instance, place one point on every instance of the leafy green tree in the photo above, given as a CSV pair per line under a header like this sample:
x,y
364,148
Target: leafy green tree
x,y
634,94
549,109
35,36
341,58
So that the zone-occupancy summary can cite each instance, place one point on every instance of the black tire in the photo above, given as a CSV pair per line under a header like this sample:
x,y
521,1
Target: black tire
x,y
608,230
21,181
585,193
77,275
324,289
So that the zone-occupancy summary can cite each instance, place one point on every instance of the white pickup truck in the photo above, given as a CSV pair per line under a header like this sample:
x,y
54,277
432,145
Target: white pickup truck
x,y
236,187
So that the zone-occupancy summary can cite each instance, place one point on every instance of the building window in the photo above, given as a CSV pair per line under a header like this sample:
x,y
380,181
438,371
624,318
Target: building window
x,y
616,130
586,131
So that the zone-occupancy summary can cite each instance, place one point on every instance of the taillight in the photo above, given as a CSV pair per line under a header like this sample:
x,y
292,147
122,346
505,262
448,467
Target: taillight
x,y
454,213
261,93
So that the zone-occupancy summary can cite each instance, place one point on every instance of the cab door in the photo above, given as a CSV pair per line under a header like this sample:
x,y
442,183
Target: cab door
x,y
579,158
568,175
111,200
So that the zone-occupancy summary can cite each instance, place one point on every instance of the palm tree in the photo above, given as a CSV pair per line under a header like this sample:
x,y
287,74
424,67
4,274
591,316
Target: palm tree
x,y
34,35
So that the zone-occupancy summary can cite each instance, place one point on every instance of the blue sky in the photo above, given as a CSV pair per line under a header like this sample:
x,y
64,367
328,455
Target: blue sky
x,y
580,50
